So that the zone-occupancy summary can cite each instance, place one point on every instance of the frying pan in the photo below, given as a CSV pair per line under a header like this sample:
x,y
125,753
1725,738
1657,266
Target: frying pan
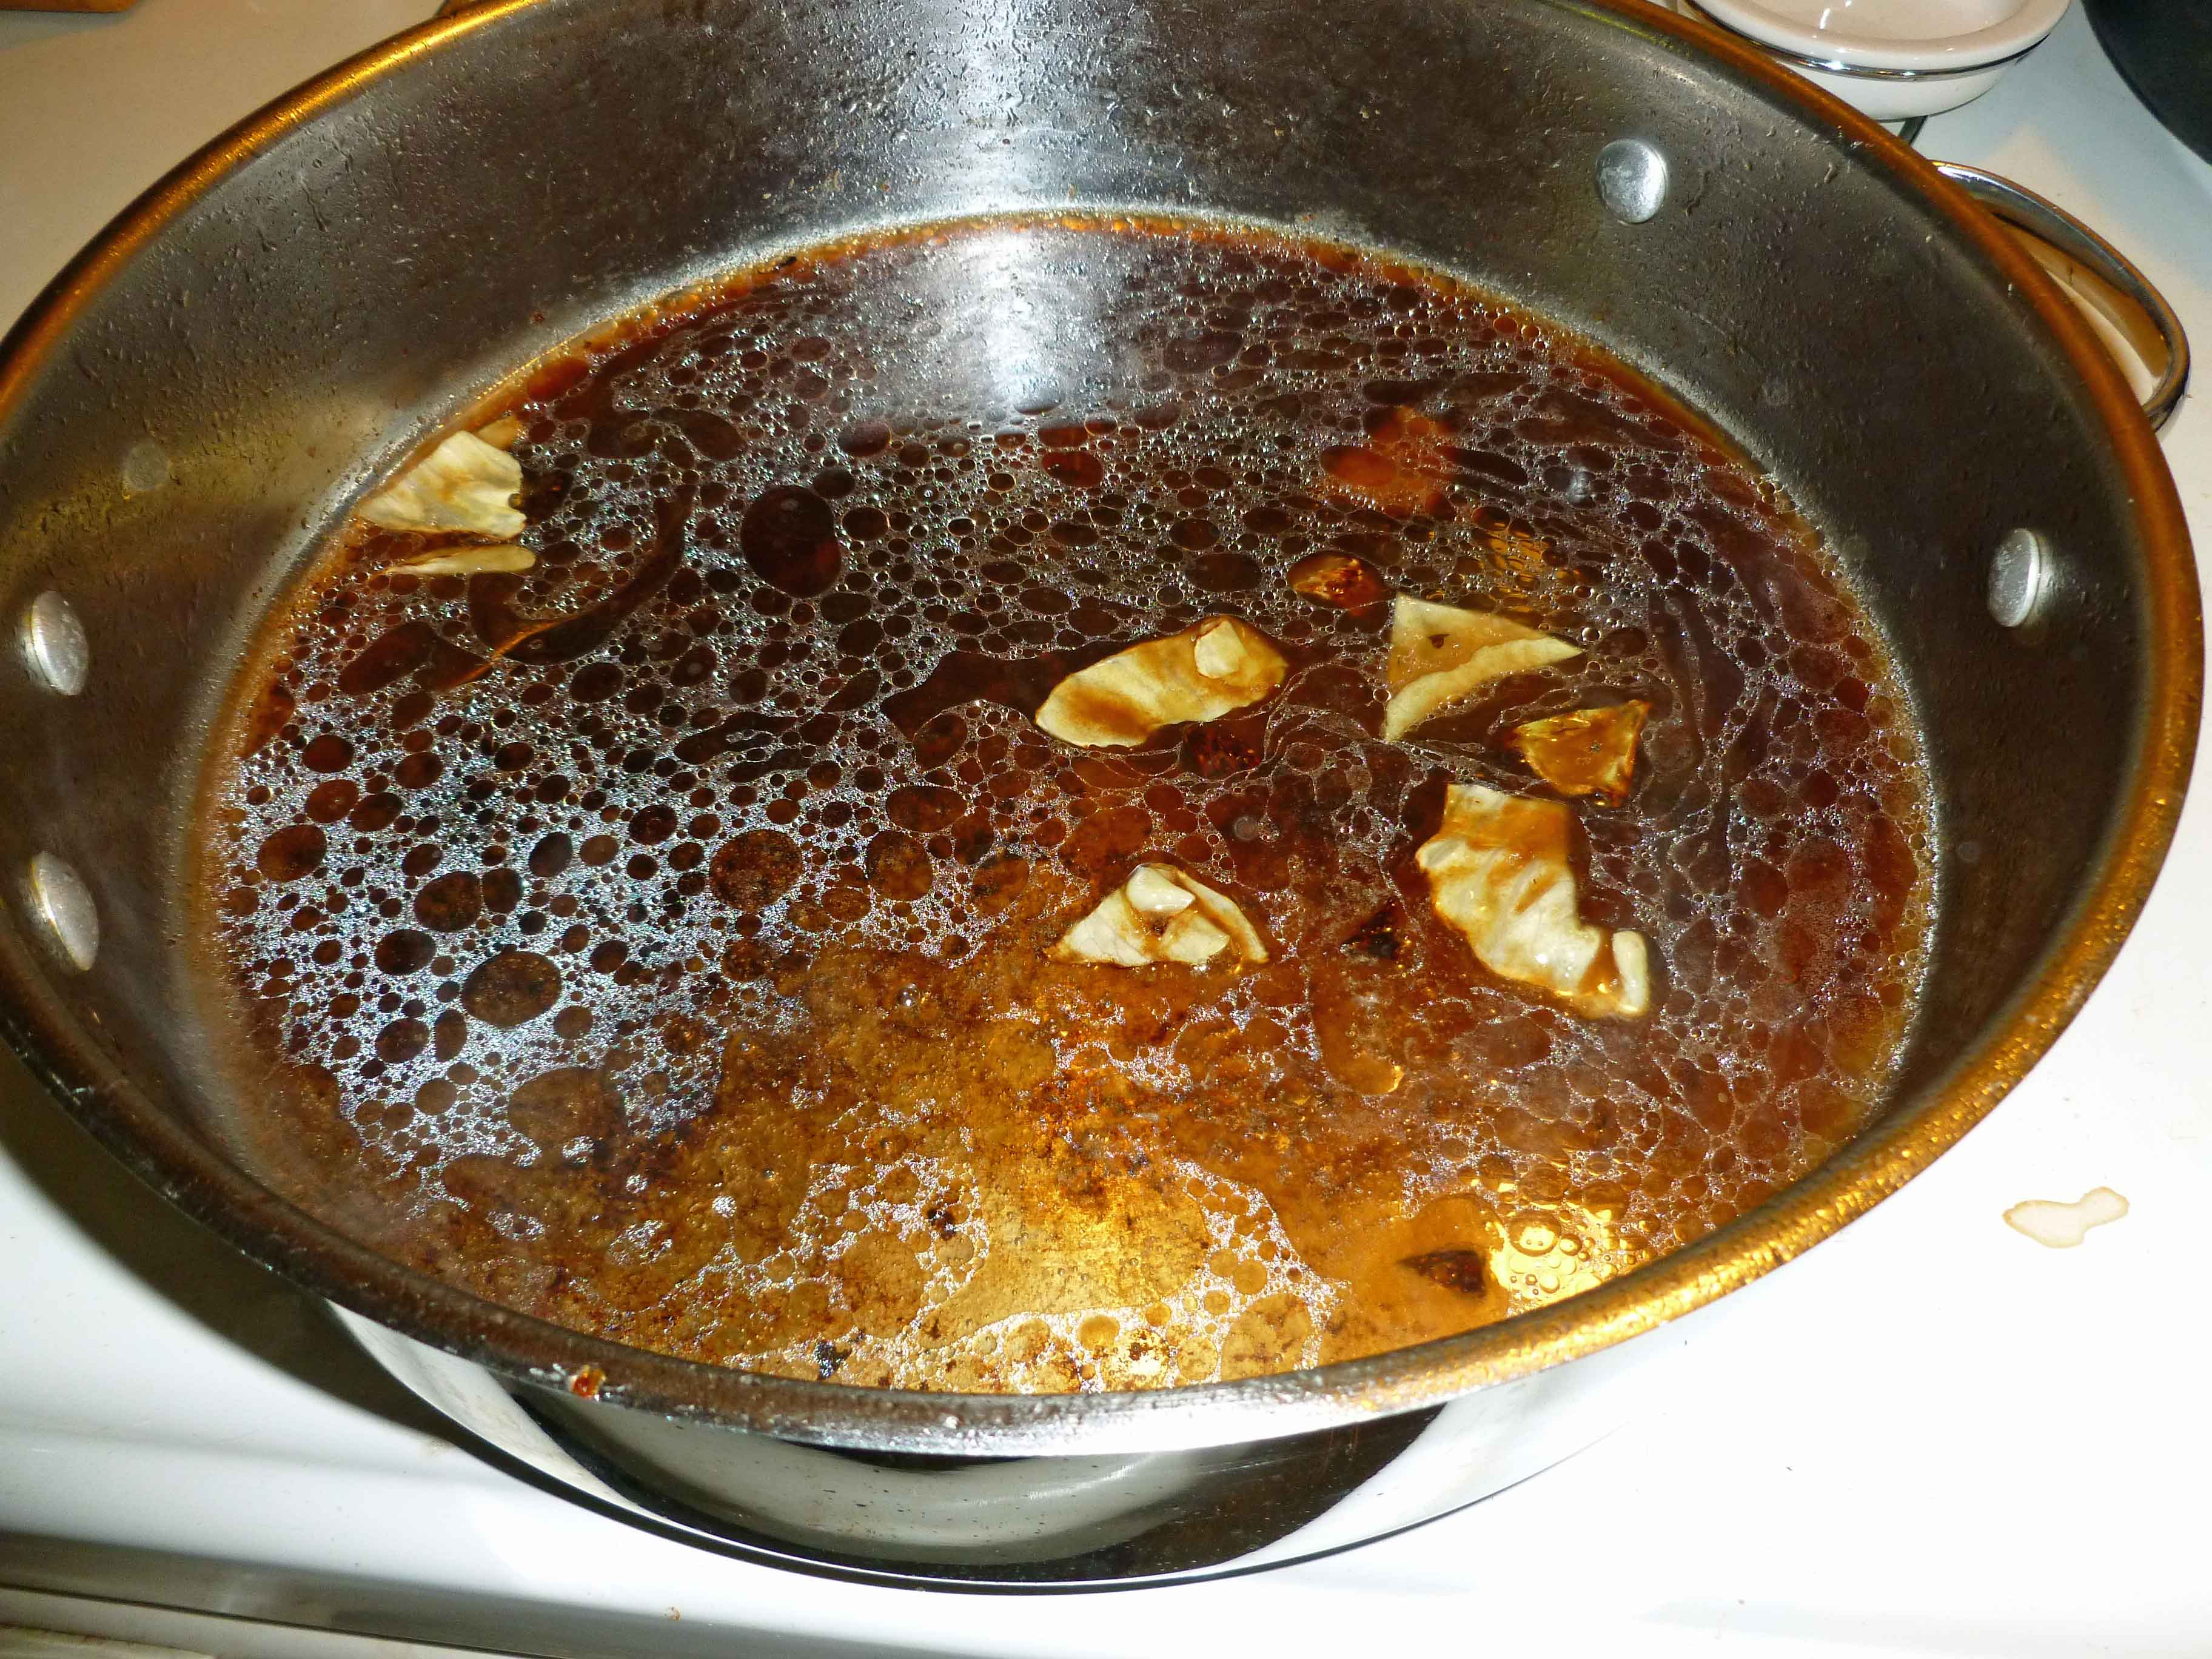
x,y
194,400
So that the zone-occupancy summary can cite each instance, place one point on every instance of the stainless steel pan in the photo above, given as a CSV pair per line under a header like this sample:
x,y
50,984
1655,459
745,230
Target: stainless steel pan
x,y
191,401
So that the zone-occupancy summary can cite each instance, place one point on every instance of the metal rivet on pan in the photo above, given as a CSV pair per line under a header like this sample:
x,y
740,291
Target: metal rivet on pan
x,y
61,900
1631,180
2019,571
54,641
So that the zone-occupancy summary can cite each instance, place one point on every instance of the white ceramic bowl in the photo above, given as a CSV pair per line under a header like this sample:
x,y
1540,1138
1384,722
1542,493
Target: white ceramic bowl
x,y
1892,59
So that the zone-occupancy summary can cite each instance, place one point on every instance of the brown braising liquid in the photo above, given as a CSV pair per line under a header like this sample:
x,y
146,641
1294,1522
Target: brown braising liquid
x,y
656,941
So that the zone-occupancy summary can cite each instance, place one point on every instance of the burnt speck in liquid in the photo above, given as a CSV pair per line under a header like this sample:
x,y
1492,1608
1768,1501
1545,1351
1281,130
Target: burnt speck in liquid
x,y
1455,1270
1381,936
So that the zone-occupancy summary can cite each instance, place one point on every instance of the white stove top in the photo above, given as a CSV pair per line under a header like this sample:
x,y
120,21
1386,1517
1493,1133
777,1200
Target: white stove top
x,y
1930,1437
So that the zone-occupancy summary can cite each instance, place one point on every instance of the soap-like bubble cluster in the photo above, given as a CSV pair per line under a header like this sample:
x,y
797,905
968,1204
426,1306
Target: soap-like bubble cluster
x,y
657,940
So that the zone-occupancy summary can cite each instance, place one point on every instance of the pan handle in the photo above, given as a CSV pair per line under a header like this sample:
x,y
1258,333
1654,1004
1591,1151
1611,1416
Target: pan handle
x,y
2093,273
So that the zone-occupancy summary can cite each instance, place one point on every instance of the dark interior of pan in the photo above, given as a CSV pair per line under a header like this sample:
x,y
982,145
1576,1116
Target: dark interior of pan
x,y
302,306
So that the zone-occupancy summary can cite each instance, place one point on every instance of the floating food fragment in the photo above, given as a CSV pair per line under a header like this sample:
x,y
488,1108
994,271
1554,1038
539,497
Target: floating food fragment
x,y
1400,470
1590,751
502,558
1497,872
1380,937
1161,915
1460,1270
1339,580
2062,1226
1210,669
464,484
504,433
1440,654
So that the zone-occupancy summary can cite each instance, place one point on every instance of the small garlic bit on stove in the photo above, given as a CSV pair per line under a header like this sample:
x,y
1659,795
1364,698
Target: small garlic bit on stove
x,y
2062,1226
1498,874
1161,915
464,484
498,558
1589,751
1441,655
1401,469
1214,668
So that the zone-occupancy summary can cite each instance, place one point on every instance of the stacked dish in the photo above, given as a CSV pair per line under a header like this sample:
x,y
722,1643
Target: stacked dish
x,y
1894,59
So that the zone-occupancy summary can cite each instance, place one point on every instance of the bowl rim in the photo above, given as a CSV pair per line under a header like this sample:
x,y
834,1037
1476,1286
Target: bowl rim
x,y
1845,50
1944,80
524,1350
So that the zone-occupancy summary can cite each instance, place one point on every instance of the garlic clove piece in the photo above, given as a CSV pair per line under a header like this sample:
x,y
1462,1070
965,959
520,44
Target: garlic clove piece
x,y
1220,653
1498,876
1213,668
1161,915
498,558
1115,933
464,484
1191,938
1440,655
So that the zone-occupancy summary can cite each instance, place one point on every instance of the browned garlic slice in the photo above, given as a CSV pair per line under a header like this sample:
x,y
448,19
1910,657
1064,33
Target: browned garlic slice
x,y
1584,752
500,558
1497,872
1338,579
1213,668
1161,915
1440,654
464,484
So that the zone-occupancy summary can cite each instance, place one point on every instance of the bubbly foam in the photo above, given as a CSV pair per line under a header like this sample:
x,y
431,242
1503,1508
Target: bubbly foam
x,y
656,941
